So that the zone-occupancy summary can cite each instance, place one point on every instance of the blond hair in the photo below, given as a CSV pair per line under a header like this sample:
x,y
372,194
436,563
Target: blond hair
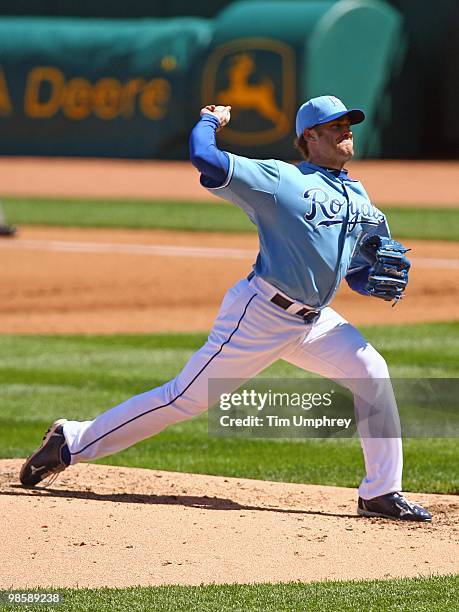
x,y
302,146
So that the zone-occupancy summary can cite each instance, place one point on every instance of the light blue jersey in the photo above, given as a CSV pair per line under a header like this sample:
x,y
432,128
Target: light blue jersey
x,y
309,223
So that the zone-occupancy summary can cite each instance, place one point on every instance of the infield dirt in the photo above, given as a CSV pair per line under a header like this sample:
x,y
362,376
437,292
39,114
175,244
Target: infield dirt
x,y
61,280
106,526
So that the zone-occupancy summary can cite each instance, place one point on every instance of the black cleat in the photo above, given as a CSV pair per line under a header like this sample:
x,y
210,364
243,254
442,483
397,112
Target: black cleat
x,y
393,506
46,460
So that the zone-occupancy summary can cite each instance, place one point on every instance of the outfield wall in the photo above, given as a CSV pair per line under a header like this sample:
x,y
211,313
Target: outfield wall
x,y
116,88
133,88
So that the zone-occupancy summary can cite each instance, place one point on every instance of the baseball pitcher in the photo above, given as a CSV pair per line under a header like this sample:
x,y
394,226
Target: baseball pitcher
x,y
316,227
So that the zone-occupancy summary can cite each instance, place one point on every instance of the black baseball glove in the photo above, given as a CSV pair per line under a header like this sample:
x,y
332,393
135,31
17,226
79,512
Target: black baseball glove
x,y
388,276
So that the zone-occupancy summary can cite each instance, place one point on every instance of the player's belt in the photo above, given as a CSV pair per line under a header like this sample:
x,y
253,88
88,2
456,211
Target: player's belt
x,y
307,314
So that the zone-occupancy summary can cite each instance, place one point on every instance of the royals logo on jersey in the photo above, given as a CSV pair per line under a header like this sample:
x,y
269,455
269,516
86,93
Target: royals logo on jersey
x,y
328,211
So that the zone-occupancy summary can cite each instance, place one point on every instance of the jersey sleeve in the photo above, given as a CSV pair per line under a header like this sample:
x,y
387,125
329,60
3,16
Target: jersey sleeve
x,y
212,163
251,184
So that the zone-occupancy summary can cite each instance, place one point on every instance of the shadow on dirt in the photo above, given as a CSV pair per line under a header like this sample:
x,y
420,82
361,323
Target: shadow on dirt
x,y
193,501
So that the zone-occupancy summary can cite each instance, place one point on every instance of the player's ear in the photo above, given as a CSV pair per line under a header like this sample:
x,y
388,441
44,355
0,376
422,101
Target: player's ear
x,y
309,135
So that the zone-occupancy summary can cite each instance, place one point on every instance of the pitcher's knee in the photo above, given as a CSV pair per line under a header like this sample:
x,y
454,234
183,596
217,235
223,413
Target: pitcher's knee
x,y
370,364
184,400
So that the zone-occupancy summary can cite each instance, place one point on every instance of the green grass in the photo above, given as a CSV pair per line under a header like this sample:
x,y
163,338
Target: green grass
x,y
439,593
45,377
423,223
406,223
135,214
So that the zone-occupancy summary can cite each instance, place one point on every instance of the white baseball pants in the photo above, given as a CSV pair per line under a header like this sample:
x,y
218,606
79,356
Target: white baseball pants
x,y
249,334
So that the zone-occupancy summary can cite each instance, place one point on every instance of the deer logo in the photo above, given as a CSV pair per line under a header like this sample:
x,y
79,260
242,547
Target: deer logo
x,y
257,78
241,94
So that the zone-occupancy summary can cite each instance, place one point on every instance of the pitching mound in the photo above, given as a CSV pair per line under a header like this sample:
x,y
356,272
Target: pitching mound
x,y
107,526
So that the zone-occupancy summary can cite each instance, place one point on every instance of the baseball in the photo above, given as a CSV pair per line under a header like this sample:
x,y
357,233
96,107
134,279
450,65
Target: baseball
x,y
223,115
225,110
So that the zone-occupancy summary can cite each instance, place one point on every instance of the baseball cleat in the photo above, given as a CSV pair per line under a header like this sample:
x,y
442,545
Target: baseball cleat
x,y
48,459
393,506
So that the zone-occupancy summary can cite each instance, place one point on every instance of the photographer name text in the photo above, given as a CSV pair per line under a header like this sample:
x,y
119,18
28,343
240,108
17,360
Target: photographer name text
x,y
272,420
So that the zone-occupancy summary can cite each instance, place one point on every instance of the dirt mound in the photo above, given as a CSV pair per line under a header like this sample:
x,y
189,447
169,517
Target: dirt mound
x,y
107,526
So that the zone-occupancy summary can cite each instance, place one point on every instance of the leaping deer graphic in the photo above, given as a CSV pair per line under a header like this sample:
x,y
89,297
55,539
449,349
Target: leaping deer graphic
x,y
242,95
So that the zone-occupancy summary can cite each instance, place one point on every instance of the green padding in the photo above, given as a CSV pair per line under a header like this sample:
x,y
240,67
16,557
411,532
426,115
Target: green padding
x,y
291,21
358,71
134,88
100,87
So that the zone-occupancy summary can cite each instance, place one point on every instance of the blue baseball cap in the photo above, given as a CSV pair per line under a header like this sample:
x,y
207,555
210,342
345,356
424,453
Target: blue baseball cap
x,y
322,109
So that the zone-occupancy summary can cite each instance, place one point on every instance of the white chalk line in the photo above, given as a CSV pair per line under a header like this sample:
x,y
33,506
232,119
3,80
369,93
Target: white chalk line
x,y
171,251
128,249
